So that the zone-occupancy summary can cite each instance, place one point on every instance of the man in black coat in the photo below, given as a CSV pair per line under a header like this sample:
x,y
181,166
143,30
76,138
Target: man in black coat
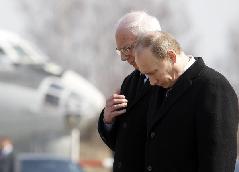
x,y
194,129
6,155
122,123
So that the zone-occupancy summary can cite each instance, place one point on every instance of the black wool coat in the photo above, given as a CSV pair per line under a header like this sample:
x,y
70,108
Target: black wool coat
x,y
127,137
194,129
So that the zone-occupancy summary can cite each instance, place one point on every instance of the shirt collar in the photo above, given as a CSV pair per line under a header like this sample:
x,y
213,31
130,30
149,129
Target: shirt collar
x,y
191,60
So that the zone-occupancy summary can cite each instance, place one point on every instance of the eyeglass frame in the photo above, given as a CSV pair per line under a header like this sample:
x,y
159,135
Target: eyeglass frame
x,y
125,50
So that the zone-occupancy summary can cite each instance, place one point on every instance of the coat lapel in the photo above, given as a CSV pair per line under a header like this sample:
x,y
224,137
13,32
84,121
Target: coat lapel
x,y
139,94
168,102
156,100
179,89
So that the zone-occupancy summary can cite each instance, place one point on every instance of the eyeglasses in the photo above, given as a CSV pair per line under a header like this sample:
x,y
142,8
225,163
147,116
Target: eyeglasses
x,y
125,50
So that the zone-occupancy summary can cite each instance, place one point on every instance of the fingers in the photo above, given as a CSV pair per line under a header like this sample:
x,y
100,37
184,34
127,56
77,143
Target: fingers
x,y
109,117
117,113
113,102
117,96
115,99
115,106
118,106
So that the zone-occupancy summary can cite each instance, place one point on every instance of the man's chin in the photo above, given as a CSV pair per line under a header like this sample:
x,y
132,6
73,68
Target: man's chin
x,y
163,85
135,66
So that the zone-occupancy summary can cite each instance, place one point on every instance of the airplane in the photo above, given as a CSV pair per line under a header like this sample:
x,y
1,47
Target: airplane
x,y
39,101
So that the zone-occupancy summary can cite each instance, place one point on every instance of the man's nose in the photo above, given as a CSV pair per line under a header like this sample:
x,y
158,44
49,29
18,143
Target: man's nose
x,y
152,81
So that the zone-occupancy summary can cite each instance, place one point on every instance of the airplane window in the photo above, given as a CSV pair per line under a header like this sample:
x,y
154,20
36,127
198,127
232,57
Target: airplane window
x,y
56,86
3,57
2,52
52,100
24,57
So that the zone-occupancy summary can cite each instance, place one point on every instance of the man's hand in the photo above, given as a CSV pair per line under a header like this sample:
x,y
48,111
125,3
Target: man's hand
x,y
115,106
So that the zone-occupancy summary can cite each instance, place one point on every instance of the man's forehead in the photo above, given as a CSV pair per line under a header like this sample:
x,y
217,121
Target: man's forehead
x,y
145,60
123,41
124,32
147,69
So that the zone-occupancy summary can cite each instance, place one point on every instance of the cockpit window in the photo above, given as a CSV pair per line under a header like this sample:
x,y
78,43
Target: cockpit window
x,y
3,57
2,52
23,56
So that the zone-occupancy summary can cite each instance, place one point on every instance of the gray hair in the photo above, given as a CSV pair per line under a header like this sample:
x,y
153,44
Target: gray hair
x,y
138,22
159,43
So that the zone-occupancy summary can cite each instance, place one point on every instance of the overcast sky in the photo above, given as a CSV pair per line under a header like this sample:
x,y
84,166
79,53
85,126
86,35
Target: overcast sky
x,y
10,16
210,19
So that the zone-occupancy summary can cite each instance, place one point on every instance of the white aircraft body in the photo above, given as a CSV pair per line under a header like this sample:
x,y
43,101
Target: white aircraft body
x,y
39,101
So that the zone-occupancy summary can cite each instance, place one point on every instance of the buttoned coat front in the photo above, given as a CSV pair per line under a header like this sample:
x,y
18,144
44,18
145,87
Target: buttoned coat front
x,y
195,128
127,136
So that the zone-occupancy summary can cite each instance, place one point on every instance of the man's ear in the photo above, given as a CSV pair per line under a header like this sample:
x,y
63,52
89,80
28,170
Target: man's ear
x,y
172,55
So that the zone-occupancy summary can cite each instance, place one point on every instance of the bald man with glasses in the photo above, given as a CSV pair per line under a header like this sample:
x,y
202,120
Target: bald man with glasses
x,y
122,123
125,51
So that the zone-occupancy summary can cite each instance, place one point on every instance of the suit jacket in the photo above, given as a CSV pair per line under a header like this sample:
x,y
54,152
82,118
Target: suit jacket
x,y
127,136
194,129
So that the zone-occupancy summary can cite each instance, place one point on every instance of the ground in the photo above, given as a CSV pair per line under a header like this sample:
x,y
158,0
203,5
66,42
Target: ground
x,y
92,153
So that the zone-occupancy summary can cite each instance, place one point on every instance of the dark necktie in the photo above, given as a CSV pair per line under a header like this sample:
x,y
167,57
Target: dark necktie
x,y
140,85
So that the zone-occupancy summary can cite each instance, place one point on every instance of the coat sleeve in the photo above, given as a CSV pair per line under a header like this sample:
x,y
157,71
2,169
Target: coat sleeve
x,y
216,127
109,135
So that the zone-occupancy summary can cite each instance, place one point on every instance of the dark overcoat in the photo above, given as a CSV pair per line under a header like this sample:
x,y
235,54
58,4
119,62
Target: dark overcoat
x,y
127,136
195,128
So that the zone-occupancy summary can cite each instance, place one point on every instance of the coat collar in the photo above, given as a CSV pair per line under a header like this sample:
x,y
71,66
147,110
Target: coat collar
x,y
139,93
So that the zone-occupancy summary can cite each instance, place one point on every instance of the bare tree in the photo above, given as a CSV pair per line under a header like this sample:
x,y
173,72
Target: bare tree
x,y
80,34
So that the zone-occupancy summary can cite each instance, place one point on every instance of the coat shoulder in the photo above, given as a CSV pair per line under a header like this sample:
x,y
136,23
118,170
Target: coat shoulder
x,y
129,80
212,77
210,80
